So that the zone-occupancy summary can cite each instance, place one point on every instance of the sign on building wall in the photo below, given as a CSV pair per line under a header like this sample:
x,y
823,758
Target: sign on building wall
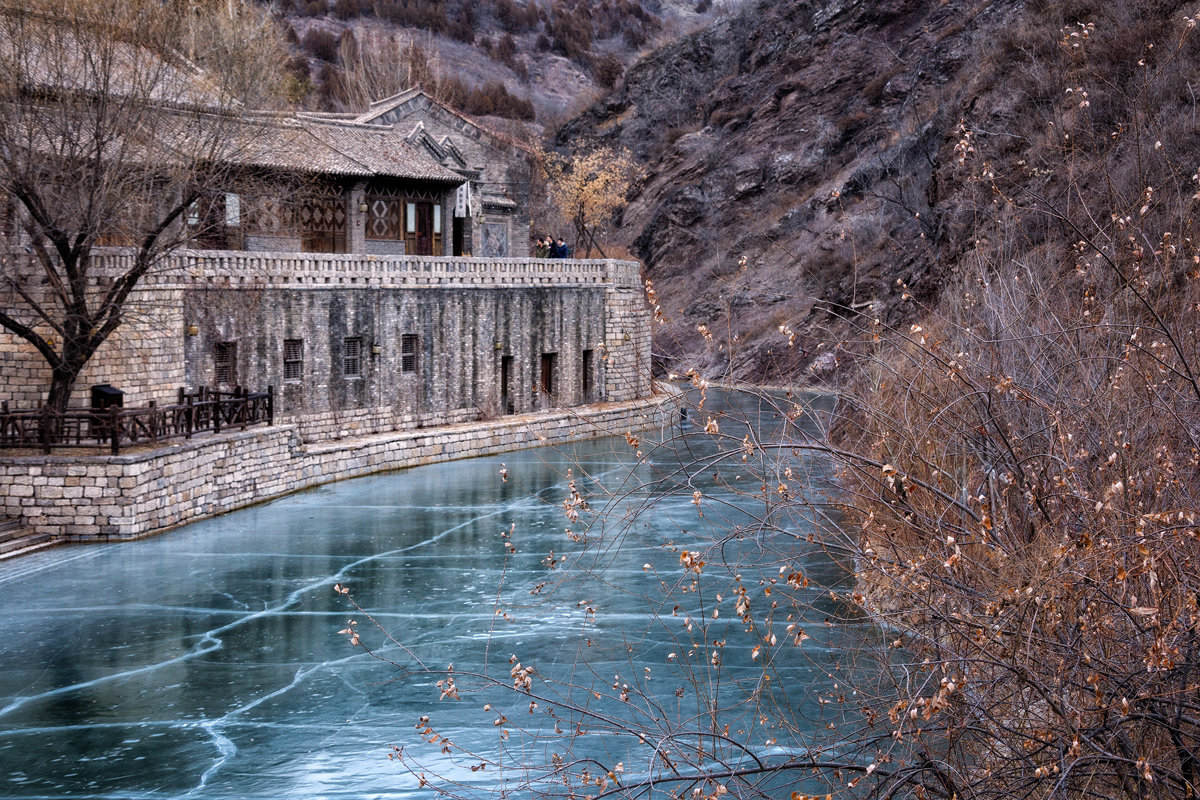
x,y
495,240
462,201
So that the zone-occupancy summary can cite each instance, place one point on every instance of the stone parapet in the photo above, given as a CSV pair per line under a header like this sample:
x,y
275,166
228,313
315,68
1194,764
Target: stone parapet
x,y
105,498
229,268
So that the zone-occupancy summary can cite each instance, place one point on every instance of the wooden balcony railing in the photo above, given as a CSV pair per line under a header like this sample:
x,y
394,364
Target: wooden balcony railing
x,y
117,427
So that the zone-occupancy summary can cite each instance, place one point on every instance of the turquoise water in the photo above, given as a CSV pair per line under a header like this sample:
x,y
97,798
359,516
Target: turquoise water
x,y
207,662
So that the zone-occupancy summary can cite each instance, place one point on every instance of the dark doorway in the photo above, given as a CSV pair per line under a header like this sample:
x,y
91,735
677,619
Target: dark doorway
x,y
588,366
506,402
423,235
457,228
549,362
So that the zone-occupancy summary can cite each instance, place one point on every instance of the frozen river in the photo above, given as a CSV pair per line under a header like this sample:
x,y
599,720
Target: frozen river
x,y
207,662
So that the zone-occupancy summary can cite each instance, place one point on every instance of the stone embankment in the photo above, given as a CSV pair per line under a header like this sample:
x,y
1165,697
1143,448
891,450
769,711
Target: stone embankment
x,y
106,498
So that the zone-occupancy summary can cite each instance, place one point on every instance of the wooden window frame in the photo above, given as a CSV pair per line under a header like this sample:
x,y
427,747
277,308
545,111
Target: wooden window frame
x,y
352,357
293,360
408,352
225,364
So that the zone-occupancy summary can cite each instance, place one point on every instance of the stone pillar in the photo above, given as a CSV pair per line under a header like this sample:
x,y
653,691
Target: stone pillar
x,y
356,220
626,345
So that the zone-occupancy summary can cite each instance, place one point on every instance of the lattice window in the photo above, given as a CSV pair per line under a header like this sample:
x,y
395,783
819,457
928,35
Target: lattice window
x,y
322,224
293,360
225,363
267,215
352,357
408,352
385,218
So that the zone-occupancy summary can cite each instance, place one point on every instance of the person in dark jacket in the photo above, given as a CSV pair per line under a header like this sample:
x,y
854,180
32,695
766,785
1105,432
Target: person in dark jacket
x,y
561,249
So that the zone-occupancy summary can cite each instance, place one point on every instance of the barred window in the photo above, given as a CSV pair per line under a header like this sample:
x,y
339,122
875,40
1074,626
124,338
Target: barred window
x,y
293,360
225,363
352,357
408,352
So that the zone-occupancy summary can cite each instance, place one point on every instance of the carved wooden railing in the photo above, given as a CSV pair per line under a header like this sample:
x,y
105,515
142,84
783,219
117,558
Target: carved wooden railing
x,y
202,411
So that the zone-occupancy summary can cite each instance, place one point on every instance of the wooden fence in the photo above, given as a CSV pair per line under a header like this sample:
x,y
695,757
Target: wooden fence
x,y
197,412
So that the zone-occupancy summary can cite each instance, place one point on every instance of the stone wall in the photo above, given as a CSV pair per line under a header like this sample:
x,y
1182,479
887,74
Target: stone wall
x,y
145,358
539,306
433,355
626,344
102,498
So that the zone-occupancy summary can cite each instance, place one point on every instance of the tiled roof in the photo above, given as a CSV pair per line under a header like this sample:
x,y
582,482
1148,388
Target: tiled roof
x,y
498,201
334,147
381,107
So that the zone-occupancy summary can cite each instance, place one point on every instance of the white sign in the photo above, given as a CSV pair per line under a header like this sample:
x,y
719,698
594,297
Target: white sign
x,y
462,201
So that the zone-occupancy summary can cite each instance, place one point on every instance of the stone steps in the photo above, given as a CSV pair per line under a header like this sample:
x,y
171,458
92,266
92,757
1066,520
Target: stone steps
x,y
17,540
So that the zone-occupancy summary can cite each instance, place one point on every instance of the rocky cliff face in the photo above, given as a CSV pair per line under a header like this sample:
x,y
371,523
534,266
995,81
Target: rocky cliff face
x,y
814,166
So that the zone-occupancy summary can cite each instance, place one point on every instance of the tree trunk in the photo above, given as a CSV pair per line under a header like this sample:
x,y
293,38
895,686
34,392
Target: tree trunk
x,y
62,382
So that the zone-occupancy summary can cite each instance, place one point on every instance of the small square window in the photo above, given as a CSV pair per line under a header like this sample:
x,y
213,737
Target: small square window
x,y
293,360
408,352
352,357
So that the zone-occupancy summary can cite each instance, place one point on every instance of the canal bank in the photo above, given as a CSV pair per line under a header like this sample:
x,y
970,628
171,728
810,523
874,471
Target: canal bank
x,y
107,498
207,663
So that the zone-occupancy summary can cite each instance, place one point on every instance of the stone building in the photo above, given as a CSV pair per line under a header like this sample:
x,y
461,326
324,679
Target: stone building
x,y
488,213
364,345
343,279
408,177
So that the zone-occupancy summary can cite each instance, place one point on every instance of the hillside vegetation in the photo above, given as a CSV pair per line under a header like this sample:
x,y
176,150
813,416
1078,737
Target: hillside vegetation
x,y
526,60
978,219
858,156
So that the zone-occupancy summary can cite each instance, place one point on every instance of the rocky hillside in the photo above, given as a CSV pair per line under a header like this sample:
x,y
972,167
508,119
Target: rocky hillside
x,y
533,60
813,166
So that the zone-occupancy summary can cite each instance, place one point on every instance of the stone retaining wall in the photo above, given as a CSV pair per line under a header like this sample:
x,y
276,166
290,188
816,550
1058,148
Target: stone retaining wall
x,y
101,498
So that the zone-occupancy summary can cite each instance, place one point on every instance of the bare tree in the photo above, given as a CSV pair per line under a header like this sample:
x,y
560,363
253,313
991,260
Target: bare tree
x,y
117,117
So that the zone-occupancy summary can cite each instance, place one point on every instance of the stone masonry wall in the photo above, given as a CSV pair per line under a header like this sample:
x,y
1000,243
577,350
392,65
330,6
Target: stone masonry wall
x,y
626,345
101,498
482,326
144,358
460,342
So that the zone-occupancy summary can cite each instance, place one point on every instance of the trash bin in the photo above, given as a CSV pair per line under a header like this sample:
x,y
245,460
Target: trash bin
x,y
104,397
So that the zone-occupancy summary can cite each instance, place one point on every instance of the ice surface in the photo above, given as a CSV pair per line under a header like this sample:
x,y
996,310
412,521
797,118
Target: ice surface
x,y
206,662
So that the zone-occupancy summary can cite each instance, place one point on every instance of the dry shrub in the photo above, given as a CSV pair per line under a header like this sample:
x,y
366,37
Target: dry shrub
x,y
1026,480
1023,464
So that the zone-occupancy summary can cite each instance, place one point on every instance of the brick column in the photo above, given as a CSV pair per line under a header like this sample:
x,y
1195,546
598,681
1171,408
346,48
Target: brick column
x,y
626,345
356,221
